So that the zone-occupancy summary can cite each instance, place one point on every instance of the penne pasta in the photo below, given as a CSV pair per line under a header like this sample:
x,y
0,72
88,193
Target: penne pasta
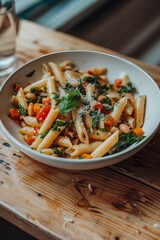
x,y
58,74
77,150
118,109
21,99
139,110
63,142
51,117
49,139
99,135
32,121
39,84
106,145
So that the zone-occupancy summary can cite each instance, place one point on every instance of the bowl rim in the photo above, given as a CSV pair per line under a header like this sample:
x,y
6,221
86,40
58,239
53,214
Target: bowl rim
x,y
26,149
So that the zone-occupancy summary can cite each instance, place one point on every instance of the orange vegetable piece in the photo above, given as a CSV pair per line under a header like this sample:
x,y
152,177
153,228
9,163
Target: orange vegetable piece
x,y
86,156
118,83
46,101
14,113
138,131
30,139
17,87
37,107
109,121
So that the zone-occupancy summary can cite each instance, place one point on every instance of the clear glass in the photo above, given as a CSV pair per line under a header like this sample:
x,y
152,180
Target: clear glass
x,y
8,61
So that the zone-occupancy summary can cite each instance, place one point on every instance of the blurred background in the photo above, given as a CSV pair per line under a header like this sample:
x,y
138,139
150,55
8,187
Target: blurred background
x,y
131,27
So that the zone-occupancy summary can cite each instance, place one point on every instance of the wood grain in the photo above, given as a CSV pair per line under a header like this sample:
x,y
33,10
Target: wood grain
x,y
116,203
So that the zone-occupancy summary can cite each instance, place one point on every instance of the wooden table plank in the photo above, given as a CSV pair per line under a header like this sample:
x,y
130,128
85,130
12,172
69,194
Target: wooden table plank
x,y
36,40
91,204
121,202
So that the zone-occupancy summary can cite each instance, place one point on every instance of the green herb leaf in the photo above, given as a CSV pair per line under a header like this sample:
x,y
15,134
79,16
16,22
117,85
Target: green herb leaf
x,y
81,157
39,100
69,102
81,89
45,89
30,100
69,87
91,79
58,152
96,118
125,140
44,134
34,90
57,124
56,96
127,89
22,111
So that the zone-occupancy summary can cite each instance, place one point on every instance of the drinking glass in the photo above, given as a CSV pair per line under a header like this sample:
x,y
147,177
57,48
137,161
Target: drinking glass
x,y
8,61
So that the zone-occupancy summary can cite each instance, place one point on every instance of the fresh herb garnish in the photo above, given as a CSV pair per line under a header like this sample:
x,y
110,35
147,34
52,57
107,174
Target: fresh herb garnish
x,y
39,100
44,134
127,89
103,129
69,87
57,124
45,89
69,102
30,100
104,89
81,89
56,96
91,79
34,90
81,157
58,152
125,140
96,118
22,111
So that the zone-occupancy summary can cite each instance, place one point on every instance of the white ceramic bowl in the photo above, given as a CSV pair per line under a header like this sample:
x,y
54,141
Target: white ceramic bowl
x,y
116,66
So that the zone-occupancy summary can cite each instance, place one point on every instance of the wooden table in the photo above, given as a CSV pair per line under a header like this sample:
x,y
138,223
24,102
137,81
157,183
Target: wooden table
x,y
121,202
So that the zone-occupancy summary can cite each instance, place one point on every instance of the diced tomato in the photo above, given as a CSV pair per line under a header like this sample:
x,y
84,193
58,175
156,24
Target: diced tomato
x,y
109,121
118,83
30,139
46,101
14,113
101,107
17,87
90,72
42,114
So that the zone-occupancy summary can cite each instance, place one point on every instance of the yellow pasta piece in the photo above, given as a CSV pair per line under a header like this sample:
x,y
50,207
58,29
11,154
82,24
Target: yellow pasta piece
x,y
21,98
49,138
139,110
58,74
106,145
77,150
118,109
48,122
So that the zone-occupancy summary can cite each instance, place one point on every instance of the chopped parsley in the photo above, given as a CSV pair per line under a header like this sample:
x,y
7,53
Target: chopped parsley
x,y
127,89
56,96
69,87
81,89
22,111
125,140
91,79
96,118
44,134
34,90
58,124
45,89
58,152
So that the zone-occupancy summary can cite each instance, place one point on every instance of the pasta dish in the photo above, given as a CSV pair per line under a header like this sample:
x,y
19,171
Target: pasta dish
x,y
74,113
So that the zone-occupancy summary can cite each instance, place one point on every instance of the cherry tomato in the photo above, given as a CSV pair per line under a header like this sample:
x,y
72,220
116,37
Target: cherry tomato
x,y
101,107
90,72
42,114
